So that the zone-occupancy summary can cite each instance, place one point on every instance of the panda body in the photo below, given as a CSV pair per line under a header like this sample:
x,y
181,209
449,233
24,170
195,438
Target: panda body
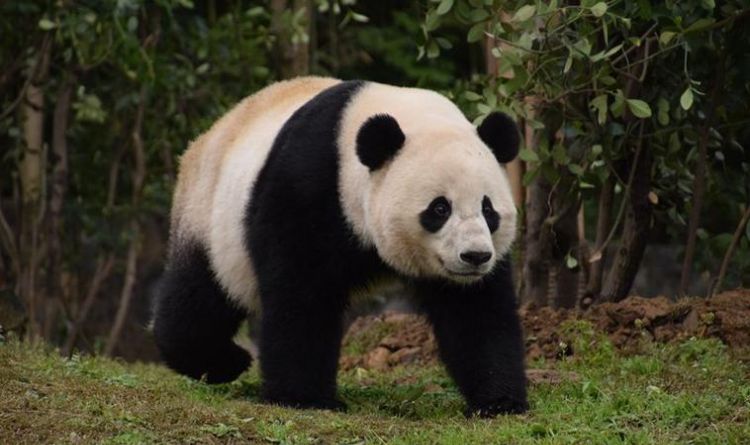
x,y
311,189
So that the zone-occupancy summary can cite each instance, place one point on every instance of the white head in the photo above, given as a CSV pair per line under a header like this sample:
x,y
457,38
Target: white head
x,y
439,202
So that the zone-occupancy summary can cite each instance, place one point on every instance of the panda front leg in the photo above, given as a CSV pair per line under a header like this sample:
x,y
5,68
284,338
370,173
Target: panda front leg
x,y
300,338
480,341
194,322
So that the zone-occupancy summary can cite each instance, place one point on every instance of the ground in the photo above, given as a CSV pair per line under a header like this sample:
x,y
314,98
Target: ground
x,y
600,382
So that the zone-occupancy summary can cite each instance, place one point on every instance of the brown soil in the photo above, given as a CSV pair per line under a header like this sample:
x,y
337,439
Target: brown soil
x,y
390,339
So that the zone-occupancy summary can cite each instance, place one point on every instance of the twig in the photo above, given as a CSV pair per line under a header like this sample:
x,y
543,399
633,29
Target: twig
x,y
621,211
730,251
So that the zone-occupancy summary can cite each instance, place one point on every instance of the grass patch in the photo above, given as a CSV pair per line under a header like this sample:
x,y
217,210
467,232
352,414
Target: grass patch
x,y
692,392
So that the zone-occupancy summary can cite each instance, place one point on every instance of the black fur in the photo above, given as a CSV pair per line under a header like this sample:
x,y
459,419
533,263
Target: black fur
x,y
490,215
379,139
500,133
194,323
480,340
307,258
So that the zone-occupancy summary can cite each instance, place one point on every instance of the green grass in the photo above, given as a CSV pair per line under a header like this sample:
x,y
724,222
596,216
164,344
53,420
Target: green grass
x,y
693,392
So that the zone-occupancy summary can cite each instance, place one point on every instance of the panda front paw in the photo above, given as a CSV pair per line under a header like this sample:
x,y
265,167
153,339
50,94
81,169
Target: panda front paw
x,y
503,405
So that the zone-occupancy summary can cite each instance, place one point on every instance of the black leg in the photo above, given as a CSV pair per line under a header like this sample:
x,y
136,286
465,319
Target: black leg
x,y
194,323
480,341
300,339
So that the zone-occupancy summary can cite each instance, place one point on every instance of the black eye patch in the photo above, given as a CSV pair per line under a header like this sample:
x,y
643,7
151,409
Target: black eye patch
x,y
490,215
436,214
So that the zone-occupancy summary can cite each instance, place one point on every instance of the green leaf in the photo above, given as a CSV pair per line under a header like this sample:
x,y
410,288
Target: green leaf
x,y
666,37
686,100
472,96
47,24
433,50
596,150
700,24
617,106
360,18
663,111
476,33
444,7
575,169
568,63
484,109
559,155
639,108
528,155
524,13
599,103
599,9
570,261
584,46
432,21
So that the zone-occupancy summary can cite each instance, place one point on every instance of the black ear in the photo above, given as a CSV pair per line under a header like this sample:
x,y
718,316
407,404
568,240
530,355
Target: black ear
x,y
500,133
378,140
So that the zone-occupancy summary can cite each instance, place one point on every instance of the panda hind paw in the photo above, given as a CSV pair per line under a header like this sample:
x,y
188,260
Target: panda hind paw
x,y
226,367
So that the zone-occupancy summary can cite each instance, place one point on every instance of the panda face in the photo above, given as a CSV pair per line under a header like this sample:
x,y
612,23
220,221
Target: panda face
x,y
463,245
444,211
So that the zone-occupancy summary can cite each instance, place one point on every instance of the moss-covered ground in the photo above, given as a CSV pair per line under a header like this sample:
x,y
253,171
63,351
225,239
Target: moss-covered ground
x,y
692,392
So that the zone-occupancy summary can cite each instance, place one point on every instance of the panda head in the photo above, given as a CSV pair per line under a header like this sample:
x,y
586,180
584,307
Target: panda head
x,y
439,203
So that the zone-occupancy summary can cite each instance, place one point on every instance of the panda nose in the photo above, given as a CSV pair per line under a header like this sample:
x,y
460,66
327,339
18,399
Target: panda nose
x,y
476,258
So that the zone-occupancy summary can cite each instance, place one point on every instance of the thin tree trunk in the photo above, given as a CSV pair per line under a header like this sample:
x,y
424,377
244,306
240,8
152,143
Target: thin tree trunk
x,y
536,260
292,57
58,189
635,230
31,173
603,223
565,242
138,177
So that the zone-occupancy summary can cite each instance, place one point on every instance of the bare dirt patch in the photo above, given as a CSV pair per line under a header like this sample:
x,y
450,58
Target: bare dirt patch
x,y
390,339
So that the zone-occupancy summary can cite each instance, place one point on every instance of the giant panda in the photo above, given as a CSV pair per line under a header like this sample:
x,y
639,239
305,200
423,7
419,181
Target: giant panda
x,y
313,189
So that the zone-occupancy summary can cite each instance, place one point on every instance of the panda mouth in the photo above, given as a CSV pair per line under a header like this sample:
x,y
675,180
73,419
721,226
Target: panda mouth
x,y
465,274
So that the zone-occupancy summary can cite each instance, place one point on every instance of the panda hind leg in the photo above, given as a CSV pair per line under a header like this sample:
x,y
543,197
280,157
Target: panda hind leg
x,y
194,322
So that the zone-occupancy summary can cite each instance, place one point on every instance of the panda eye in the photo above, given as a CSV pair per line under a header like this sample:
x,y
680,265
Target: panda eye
x,y
442,209
487,208
490,215
434,217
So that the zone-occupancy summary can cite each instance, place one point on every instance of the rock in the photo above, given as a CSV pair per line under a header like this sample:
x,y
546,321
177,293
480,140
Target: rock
x,y
377,358
405,356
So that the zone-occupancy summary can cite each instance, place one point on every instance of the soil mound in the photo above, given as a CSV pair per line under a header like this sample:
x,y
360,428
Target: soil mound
x,y
390,339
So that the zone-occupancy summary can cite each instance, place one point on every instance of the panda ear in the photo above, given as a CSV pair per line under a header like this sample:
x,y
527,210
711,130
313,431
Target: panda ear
x,y
378,140
500,133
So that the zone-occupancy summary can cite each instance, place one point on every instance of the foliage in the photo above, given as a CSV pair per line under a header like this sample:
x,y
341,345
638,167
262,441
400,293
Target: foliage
x,y
649,397
601,79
